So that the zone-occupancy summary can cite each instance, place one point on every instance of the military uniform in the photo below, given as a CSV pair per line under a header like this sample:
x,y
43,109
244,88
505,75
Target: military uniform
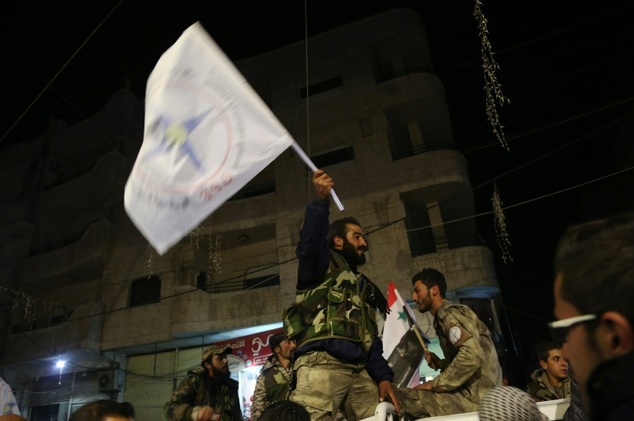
x,y
338,361
273,385
470,368
541,389
200,389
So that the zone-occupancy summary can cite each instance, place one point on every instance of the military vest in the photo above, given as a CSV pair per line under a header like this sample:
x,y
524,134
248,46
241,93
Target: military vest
x,y
341,307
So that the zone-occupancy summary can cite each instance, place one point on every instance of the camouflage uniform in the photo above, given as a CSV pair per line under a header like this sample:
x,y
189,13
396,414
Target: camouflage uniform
x,y
470,368
273,385
338,360
200,389
541,389
336,309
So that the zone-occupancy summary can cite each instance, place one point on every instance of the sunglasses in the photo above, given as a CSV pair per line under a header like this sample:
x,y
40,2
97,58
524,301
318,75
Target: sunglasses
x,y
559,329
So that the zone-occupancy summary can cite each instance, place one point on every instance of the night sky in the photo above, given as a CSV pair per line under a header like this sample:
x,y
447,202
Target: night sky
x,y
566,66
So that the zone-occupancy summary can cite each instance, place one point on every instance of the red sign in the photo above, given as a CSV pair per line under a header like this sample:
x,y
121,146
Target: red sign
x,y
252,349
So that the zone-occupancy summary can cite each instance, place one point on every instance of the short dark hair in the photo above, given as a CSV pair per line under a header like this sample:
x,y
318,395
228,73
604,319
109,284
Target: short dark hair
x,y
285,411
97,410
596,263
276,340
543,348
431,277
339,228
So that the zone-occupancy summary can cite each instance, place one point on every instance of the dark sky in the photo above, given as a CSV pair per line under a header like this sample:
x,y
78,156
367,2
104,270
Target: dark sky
x,y
566,66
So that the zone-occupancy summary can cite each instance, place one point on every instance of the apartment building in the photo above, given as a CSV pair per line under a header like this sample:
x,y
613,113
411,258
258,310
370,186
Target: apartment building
x,y
80,284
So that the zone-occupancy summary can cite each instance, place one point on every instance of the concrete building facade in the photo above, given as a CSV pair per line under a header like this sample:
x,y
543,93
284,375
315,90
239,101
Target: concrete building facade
x,y
80,283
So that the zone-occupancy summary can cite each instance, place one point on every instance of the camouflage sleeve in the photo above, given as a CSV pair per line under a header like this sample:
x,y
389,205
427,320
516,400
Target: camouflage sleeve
x,y
540,392
260,400
180,405
466,362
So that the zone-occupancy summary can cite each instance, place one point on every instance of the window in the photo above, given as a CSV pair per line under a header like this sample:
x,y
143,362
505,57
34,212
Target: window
x,y
419,233
320,87
413,128
145,291
333,157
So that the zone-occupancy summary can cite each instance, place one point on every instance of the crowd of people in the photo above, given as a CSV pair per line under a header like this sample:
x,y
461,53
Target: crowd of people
x,y
328,363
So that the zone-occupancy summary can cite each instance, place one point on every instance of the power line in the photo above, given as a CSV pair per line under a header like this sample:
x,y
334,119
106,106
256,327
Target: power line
x,y
59,72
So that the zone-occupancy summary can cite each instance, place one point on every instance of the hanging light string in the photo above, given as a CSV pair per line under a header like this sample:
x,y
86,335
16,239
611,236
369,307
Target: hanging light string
x,y
492,87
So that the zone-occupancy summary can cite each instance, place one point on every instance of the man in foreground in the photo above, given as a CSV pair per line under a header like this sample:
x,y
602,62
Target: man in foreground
x,y
551,381
207,393
470,368
273,383
338,361
593,291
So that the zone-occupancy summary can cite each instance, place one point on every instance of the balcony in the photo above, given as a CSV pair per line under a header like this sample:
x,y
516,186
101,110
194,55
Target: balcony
x,y
83,259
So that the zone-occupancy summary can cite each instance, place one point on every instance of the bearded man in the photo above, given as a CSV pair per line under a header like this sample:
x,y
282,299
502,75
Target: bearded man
x,y
339,366
208,393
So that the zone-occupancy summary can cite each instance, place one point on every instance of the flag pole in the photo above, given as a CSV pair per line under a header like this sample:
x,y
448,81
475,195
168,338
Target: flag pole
x,y
312,166
420,339
415,327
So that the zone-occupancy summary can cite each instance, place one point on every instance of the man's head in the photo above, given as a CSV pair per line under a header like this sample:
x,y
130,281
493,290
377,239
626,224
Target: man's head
x,y
214,360
430,288
552,361
281,346
593,293
104,410
347,236
285,411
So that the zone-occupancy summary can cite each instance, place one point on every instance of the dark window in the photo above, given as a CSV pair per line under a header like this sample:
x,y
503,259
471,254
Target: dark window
x,y
333,157
319,87
419,233
201,280
145,291
415,128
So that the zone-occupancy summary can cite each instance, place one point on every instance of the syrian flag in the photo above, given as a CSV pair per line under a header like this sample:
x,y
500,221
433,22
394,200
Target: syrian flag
x,y
207,133
402,340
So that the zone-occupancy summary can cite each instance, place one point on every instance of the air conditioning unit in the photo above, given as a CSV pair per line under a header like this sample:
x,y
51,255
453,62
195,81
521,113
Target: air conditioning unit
x,y
106,382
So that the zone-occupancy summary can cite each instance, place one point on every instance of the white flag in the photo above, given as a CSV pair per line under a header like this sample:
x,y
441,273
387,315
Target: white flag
x,y
207,133
402,340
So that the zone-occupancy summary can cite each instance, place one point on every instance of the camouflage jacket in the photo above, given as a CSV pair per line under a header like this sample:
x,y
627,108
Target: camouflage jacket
x,y
340,307
471,367
272,386
541,389
200,389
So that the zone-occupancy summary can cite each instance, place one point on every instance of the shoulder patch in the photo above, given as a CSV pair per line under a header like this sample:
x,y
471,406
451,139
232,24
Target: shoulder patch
x,y
455,333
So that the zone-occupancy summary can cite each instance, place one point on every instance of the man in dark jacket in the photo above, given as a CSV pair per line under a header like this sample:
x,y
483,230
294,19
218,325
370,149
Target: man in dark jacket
x,y
593,302
207,393
338,362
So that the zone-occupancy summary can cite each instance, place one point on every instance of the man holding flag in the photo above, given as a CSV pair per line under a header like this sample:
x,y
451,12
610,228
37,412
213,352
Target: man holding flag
x,y
470,368
338,362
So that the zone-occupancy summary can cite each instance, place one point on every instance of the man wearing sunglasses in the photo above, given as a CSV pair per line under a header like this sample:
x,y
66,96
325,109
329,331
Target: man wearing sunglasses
x,y
594,291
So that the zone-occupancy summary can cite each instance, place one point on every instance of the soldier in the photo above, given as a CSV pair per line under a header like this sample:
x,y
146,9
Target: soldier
x,y
551,381
273,383
338,361
207,393
470,368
